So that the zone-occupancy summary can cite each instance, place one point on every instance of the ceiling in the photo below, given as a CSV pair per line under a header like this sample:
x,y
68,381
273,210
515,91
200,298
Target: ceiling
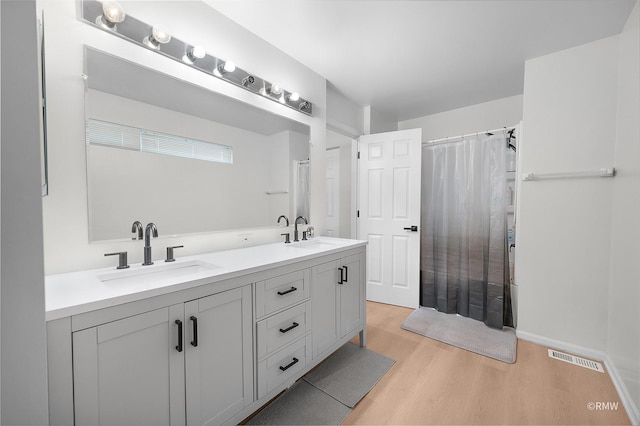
x,y
408,59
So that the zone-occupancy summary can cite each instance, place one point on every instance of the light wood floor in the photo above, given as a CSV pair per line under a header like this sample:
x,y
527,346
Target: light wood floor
x,y
435,383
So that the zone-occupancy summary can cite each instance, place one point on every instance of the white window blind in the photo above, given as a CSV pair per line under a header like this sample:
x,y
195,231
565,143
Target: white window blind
x,y
125,137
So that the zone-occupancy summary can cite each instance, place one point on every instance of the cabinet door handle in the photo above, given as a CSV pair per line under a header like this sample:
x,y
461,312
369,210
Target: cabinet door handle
x,y
282,293
194,342
291,364
346,274
179,324
291,327
341,280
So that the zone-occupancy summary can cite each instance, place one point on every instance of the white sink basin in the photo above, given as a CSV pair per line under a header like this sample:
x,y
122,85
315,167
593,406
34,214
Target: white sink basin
x,y
157,272
311,245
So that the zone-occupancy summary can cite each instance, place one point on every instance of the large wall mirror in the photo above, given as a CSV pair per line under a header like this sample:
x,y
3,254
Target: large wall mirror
x,y
162,150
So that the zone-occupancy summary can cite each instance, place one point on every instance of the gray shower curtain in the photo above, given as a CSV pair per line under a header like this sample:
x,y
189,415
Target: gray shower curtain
x,y
464,266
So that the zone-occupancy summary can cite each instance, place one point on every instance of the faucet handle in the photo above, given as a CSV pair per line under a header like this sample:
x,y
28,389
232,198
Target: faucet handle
x,y
122,259
304,235
170,253
287,237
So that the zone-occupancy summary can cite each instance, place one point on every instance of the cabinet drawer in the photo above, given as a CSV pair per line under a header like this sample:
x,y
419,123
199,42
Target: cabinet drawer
x,y
281,329
280,292
282,366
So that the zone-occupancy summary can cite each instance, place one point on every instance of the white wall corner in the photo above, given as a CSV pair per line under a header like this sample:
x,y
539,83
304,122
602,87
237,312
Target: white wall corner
x,y
624,394
343,115
378,122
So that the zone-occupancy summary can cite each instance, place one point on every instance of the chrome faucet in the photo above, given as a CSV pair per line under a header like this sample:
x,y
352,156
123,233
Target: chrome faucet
x,y
136,228
283,217
295,231
150,230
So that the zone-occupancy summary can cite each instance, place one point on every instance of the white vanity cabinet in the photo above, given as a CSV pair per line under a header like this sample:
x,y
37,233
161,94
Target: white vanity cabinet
x,y
141,369
219,365
128,371
338,296
209,350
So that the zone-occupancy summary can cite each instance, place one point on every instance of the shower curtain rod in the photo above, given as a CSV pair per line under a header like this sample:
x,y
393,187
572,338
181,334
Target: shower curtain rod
x,y
453,138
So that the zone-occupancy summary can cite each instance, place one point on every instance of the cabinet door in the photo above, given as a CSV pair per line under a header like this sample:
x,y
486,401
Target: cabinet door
x,y
351,294
129,372
324,279
218,356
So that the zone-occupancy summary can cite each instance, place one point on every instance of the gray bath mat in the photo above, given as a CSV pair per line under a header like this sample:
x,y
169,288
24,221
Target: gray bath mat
x,y
349,373
302,404
465,333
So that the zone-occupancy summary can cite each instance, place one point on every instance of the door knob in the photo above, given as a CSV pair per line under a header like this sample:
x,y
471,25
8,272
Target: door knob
x,y
413,228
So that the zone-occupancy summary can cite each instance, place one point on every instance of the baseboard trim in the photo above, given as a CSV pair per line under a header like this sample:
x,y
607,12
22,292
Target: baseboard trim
x,y
628,403
629,406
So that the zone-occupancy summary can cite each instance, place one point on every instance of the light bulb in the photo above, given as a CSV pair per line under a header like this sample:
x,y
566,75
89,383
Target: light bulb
x,y
229,66
293,97
275,89
223,68
193,54
112,14
159,35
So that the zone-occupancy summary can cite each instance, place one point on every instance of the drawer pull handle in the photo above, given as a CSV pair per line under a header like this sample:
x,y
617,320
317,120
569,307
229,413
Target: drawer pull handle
x,y
284,330
346,274
194,342
179,324
341,279
282,293
291,364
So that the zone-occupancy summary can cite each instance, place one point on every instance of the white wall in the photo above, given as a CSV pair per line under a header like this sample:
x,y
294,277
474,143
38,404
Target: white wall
x,y
377,122
343,115
475,118
564,227
623,345
65,210
22,325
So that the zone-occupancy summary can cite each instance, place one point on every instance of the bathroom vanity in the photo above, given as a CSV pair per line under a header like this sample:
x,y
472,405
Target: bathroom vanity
x,y
207,339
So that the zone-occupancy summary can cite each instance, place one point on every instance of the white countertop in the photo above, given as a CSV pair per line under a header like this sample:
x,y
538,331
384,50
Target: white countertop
x,y
83,291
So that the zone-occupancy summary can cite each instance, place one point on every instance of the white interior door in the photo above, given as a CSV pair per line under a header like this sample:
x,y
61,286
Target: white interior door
x,y
389,180
332,166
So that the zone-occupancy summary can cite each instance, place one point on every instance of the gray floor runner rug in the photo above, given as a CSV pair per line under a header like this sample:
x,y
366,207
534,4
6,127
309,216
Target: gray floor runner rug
x,y
349,373
302,404
326,395
465,333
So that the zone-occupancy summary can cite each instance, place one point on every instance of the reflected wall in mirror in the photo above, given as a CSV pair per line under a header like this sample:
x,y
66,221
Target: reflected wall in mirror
x,y
184,195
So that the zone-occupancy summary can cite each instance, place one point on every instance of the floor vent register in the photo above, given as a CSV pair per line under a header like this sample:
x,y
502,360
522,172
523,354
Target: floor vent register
x,y
571,359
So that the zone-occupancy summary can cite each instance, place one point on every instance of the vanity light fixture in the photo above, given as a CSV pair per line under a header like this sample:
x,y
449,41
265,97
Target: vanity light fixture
x,y
112,14
159,35
248,81
106,14
193,54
